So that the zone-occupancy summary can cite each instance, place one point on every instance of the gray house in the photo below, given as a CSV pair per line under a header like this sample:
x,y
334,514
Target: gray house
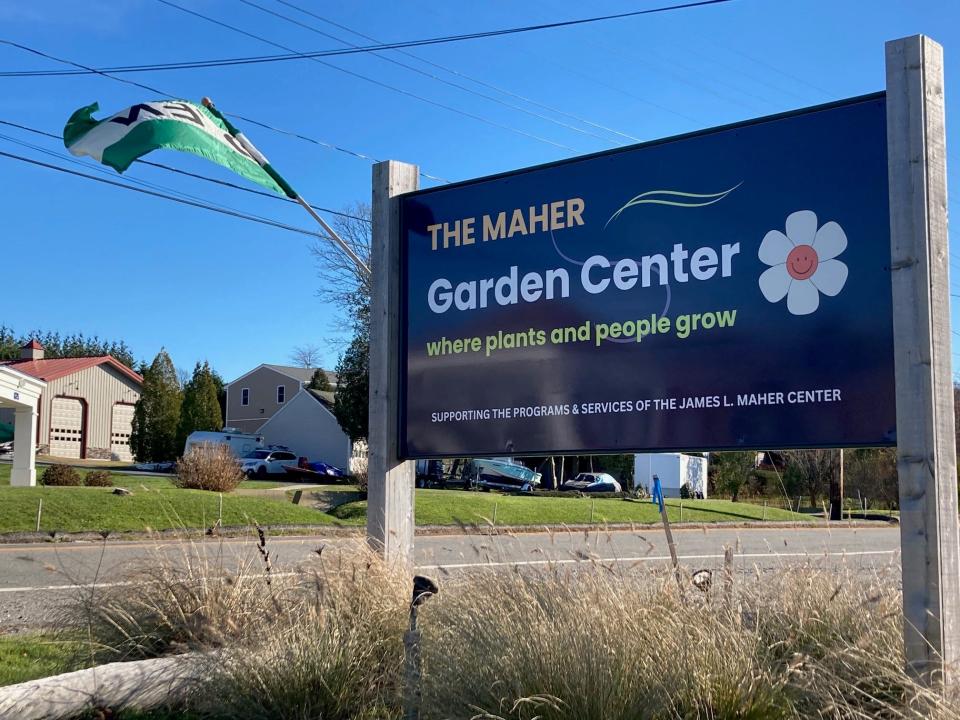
x,y
256,396
273,401
307,426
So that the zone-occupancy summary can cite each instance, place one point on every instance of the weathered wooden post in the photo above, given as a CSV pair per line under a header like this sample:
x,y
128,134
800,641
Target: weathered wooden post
x,y
926,456
391,481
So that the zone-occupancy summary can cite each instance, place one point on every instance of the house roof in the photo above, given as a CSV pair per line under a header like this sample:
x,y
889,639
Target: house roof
x,y
300,374
61,367
323,397
32,345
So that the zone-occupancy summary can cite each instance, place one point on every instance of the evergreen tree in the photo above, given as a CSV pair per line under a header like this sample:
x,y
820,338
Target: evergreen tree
x,y
56,345
221,391
200,409
138,434
351,403
9,347
156,416
319,381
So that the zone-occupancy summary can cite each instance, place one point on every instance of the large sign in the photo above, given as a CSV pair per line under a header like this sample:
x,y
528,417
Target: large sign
x,y
721,290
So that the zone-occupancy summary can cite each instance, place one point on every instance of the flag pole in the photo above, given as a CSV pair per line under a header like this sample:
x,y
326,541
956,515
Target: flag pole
x,y
287,189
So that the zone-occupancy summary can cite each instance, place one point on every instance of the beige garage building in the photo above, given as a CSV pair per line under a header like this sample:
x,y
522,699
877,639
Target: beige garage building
x,y
86,409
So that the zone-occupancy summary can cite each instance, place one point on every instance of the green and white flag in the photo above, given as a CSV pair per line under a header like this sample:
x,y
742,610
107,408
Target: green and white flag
x,y
176,125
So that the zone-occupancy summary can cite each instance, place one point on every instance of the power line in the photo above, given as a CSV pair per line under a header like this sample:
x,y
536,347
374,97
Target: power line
x,y
197,176
182,201
161,93
250,60
424,73
452,71
373,81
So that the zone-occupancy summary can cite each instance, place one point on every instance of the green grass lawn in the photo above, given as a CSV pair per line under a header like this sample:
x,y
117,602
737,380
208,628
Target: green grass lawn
x,y
69,509
157,505
154,505
449,507
28,657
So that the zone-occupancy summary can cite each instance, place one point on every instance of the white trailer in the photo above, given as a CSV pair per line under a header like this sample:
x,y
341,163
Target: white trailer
x,y
674,470
240,444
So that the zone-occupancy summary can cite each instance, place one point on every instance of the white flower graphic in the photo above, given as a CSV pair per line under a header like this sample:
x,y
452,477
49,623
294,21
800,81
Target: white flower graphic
x,y
802,262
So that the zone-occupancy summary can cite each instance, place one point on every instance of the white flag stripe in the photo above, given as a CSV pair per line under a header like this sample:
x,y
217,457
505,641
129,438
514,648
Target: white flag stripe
x,y
109,132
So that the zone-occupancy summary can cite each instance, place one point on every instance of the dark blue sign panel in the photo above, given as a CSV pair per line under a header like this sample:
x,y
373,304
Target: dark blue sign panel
x,y
727,289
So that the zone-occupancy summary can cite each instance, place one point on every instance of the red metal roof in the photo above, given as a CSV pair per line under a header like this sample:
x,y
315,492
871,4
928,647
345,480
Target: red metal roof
x,y
57,368
32,345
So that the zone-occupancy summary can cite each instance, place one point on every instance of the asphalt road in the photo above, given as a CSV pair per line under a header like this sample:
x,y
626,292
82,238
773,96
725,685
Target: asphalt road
x,y
34,578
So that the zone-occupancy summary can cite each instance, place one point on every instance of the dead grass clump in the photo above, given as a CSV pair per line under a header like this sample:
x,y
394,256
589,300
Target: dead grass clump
x,y
323,642
337,653
601,642
178,600
209,466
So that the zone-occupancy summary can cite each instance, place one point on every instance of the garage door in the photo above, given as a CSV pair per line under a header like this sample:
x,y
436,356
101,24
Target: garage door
x,y
66,428
121,426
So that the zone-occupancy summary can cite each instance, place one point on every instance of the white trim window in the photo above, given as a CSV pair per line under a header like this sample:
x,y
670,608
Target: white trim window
x,y
281,394
245,396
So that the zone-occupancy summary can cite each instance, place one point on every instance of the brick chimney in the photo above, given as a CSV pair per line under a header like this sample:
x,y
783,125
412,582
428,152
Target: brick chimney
x,y
32,351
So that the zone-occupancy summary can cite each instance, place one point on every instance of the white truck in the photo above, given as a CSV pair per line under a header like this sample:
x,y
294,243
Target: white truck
x,y
674,470
240,444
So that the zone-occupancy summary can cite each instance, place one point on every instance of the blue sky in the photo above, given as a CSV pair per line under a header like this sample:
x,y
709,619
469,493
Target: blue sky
x,y
84,257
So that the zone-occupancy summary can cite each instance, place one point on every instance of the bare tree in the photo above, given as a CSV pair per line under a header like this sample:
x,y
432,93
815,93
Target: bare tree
x,y
342,283
306,356
813,469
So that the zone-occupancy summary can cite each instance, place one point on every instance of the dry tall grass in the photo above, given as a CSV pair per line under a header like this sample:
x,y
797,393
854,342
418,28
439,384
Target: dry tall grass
x,y
209,466
573,643
597,642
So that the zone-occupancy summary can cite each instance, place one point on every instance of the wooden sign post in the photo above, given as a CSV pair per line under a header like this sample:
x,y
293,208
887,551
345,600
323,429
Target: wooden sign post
x,y
390,480
926,454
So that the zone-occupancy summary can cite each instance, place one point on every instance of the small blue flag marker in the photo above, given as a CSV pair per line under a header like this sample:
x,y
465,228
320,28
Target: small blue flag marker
x,y
657,494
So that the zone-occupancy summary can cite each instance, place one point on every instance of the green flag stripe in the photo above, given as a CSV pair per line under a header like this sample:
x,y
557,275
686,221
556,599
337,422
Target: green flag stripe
x,y
177,135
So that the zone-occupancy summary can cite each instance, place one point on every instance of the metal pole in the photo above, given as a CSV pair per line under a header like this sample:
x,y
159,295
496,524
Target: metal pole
x,y
259,158
673,549
926,455
334,236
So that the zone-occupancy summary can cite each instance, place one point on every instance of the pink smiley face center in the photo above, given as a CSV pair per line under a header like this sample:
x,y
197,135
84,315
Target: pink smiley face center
x,y
802,262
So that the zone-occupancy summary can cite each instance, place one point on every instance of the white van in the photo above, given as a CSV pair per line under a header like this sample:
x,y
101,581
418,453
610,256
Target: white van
x,y
240,444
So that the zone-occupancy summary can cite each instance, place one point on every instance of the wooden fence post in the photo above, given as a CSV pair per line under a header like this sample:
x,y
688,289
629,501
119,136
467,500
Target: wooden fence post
x,y
926,455
391,481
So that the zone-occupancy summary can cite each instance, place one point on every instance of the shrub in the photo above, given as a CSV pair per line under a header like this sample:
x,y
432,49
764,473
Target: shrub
x,y
61,476
209,466
685,492
98,478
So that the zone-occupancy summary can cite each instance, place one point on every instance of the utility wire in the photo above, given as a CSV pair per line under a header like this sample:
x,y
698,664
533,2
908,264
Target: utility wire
x,y
165,196
189,65
197,176
188,198
452,71
430,75
373,81
107,74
